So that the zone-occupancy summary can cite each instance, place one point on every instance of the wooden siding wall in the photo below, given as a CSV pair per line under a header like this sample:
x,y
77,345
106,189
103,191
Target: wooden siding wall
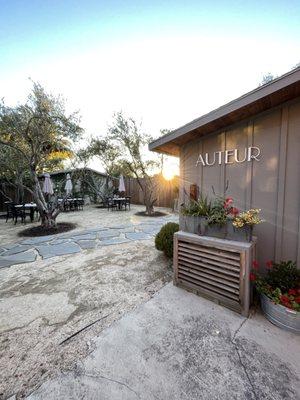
x,y
272,184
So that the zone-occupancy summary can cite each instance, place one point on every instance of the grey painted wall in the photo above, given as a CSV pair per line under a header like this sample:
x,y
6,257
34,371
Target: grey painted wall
x,y
272,184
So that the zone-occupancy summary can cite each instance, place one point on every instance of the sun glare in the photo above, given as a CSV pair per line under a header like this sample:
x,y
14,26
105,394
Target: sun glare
x,y
168,174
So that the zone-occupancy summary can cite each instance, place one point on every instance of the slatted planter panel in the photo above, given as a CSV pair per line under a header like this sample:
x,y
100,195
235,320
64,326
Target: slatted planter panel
x,y
215,268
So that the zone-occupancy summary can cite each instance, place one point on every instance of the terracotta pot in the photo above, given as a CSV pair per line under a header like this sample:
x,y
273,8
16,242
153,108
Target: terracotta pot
x,y
280,316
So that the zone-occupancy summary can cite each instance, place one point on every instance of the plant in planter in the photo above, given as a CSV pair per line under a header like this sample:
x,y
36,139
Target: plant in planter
x,y
193,217
279,290
221,211
243,223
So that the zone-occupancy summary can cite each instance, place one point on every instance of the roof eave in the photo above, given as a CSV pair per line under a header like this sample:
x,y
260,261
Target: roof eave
x,y
169,144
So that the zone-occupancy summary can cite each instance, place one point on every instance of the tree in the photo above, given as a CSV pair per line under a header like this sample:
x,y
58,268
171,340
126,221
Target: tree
x,y
267,78
123,151
38,136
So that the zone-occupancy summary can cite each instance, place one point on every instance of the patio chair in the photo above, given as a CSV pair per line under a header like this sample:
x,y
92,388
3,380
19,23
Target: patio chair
x,y
9,210
127,202
66,205
20,212
71,205
111,204
80,203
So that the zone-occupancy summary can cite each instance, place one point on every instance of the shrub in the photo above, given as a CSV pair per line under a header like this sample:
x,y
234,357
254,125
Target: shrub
x,y
164,238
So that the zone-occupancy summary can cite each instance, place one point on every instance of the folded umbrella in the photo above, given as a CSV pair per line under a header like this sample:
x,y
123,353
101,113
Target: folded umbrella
x,y
121,184
48,186
68,185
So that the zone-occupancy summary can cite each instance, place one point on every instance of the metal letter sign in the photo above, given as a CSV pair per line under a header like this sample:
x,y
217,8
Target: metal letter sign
x,y
229,156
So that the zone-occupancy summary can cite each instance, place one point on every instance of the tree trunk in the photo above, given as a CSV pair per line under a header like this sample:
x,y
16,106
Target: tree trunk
x,y
48,216
149,208
48,220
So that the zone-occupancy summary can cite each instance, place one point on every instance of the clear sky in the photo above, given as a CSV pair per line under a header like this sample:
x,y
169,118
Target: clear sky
x,y
163,62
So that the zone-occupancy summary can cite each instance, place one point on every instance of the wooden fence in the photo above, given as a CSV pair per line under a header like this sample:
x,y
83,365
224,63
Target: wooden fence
x,y
166,191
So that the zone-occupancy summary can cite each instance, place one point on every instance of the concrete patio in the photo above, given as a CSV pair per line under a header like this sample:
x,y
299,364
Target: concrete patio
x,y
180,346
136,336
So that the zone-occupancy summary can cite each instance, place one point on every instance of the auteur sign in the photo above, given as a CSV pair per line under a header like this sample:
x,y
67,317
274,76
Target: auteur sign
x,y
229,156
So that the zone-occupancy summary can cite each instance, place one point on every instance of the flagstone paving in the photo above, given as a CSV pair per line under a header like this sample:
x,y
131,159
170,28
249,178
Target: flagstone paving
x,y
28,250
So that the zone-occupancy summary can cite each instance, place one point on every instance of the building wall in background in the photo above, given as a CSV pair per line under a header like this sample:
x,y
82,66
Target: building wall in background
x,y
272,184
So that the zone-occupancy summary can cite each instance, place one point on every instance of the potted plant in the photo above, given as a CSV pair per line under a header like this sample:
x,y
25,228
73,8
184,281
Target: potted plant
x,y
279,292
193,217
218,218
241,224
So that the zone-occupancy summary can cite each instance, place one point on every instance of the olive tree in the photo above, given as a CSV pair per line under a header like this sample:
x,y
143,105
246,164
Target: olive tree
x,y
124,150
37,135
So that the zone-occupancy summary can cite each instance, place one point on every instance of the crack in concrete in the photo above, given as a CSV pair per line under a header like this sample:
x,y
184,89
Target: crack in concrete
x,y
240,358
111,380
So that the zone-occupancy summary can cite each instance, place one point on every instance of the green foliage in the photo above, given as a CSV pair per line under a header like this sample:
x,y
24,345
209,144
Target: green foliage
x,y
37,134
281,284
34,138
200,208
122,151
283,276
218,213
164,238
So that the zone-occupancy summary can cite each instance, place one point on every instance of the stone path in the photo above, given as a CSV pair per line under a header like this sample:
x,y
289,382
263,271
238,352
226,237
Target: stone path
x,y
29,250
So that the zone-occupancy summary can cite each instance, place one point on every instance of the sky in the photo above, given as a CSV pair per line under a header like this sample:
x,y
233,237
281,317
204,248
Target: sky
x,y
162,62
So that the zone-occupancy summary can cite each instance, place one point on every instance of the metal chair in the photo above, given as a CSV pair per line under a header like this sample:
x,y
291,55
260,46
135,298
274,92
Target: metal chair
x,y
9,210
127,202
19,212
111,204
80,204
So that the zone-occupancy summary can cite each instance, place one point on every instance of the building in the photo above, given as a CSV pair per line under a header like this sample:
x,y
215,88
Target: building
x,y
253,145
86,182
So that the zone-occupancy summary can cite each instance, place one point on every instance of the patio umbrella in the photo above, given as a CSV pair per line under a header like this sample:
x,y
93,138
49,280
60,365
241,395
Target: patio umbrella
x,y
121,184
48,187
68,185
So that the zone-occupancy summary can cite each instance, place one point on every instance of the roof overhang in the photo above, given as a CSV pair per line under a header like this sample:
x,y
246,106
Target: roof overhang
x,y
272,94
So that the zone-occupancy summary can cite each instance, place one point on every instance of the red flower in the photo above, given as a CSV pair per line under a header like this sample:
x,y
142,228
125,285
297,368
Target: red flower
x,y
285,301
252,277
255,264
234,211
269,264
292,292
297,299
228,202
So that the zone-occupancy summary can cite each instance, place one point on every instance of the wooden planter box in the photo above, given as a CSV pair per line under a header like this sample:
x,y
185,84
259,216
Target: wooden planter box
x,y
214,268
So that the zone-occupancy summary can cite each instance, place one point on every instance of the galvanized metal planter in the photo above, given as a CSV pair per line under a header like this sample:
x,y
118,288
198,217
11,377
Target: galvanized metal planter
x,y
217,231
243,234
199,226
192,224
280,316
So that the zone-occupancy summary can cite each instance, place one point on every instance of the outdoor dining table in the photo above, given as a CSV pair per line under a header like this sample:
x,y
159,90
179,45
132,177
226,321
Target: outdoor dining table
x,y
119,201
70,199
30,206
